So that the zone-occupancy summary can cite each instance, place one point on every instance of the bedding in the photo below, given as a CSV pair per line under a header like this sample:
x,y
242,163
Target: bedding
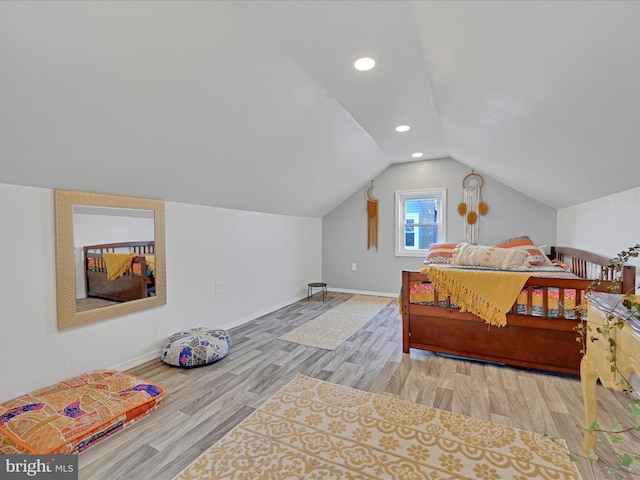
x,y
424,293
70,416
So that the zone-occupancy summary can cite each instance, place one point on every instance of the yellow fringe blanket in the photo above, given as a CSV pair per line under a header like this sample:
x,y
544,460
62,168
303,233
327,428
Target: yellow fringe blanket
x,y
150,260
117,263
487,294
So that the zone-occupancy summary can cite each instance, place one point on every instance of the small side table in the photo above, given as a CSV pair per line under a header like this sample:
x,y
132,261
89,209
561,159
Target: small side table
x,y
311,286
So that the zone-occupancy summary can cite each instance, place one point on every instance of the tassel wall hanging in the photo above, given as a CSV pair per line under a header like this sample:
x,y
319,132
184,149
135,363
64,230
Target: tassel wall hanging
x,y
372,216
472,205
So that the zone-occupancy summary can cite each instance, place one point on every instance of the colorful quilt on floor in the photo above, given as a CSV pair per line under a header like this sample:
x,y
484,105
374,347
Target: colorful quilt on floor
x,y
70,416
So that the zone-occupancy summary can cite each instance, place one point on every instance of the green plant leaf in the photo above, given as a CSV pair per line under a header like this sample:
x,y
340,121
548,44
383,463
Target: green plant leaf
x,y
614,424
592,455
625,459
614,473
614,438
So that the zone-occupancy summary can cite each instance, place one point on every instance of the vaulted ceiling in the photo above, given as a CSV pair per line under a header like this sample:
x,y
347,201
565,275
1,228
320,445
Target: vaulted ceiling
x,y
256,105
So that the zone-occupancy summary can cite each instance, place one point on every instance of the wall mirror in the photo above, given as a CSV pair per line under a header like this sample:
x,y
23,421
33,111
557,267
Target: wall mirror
x,y
110,256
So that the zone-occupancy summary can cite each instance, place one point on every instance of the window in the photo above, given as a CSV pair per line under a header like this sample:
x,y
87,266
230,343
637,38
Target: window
x,y
420,218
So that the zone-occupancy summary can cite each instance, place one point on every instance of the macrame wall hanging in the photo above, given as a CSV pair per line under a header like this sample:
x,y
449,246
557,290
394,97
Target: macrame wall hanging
x,y
372,216
472,205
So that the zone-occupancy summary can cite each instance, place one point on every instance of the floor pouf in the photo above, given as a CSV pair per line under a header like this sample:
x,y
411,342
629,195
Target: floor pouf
x,y
195,347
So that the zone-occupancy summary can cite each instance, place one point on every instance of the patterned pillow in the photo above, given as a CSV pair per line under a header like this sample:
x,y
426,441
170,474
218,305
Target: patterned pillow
x,y
511,242
537,257
560,264
440,253
489,257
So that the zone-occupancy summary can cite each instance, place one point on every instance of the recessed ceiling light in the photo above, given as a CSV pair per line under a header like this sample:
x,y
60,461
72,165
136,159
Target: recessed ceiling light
x,y
403,128
417,154
365,63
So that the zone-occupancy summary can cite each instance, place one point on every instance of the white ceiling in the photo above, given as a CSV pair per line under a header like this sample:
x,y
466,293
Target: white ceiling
x,y
255,105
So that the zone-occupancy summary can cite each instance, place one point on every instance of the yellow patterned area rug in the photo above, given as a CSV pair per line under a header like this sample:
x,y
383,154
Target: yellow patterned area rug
x,y
333,327
317,430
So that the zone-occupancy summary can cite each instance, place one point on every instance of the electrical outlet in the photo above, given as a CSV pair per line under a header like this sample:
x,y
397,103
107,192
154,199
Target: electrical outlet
x,y
218,287
354,267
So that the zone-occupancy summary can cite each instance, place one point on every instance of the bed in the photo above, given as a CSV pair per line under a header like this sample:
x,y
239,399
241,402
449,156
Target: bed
x,y
120,271
541,326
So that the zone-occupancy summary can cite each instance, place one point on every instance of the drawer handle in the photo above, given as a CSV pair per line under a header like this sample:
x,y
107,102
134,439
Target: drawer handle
x,y
593,339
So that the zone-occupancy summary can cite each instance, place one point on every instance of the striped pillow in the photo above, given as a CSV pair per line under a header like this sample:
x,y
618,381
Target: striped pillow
x,y
511,242
440,253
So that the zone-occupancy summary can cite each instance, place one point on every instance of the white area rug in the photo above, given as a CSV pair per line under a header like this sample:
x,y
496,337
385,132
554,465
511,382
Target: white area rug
x,y
333,327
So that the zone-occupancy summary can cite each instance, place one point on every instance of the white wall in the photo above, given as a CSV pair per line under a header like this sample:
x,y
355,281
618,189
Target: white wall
x,y
264,261
605,226
344,230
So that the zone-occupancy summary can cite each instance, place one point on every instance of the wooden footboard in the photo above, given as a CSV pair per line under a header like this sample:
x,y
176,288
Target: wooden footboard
x,y
531,341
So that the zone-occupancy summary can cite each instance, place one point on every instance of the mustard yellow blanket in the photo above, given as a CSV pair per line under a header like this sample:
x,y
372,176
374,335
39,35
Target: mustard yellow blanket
x,y
487,294
117,263
150,260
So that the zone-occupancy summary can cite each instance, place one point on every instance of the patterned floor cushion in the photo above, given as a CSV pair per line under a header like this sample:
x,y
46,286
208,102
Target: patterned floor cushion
x,y
73,415
195,347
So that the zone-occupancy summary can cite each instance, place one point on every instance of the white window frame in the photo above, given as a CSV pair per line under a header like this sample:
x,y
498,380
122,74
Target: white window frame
x,y
402,197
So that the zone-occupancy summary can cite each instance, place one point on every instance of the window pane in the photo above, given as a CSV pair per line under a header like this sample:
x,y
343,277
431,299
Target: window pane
x,y
427,236
422,210
409,237
420,237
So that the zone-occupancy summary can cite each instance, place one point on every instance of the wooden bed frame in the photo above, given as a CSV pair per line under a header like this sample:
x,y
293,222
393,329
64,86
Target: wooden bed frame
x,y
130,286
537,342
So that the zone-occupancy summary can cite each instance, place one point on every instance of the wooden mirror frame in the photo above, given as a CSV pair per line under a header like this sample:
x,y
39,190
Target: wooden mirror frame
x,y
64,201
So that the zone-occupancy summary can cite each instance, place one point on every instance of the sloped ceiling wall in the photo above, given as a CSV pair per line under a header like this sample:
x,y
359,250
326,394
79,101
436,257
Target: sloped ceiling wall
x,y
256,106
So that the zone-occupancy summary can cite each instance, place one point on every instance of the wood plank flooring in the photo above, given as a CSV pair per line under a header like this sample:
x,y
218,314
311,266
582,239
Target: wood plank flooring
x,y
204,403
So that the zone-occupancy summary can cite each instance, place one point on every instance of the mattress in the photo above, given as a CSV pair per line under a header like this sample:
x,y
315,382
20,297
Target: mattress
x,y
72,415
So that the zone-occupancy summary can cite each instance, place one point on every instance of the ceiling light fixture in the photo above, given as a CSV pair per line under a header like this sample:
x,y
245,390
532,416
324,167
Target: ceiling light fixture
x,y
403,128
417,154
365,63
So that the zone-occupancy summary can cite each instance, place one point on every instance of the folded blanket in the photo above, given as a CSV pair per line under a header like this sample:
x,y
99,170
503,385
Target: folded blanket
x,y
487,294
117,263
150,260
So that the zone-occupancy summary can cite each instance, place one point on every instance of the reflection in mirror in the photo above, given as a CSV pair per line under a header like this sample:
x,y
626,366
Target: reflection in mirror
x,y
105,240
109,256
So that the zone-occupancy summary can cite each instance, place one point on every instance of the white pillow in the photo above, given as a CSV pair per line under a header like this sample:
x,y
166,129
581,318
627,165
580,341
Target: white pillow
x,y
490,257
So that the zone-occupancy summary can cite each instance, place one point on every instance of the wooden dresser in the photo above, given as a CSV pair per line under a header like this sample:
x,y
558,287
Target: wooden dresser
x,y
596,364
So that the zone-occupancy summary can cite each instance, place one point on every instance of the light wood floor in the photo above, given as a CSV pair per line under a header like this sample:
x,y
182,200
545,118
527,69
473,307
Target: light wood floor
x,y
204,403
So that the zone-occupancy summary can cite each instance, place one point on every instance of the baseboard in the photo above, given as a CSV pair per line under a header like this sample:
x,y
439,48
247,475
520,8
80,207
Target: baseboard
x,y
139,360
260,313
364,292
145,357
